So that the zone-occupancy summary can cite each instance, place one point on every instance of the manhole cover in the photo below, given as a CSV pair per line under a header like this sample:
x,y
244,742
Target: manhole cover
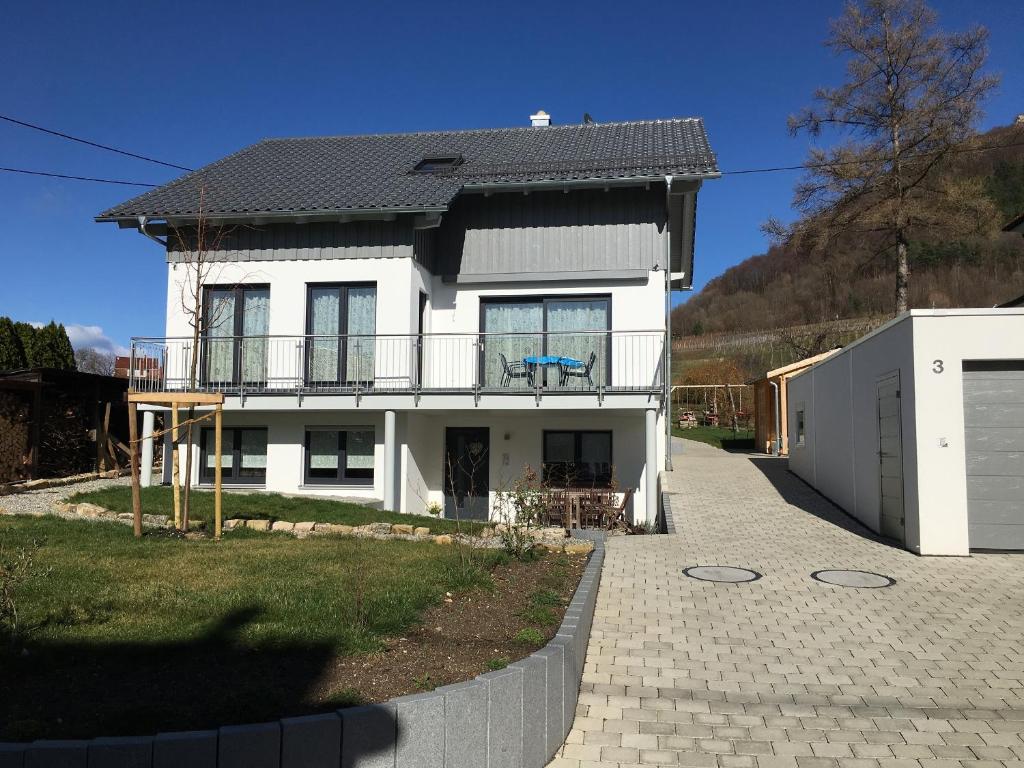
x,y
722,573
860,579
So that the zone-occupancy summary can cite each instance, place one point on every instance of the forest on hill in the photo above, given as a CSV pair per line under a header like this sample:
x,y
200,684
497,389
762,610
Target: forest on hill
x,y
789,287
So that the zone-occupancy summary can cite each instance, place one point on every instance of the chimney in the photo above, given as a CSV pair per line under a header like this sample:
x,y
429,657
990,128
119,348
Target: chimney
x,y
541,119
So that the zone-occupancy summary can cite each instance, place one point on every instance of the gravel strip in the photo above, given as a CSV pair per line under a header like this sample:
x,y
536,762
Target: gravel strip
x,y
41,501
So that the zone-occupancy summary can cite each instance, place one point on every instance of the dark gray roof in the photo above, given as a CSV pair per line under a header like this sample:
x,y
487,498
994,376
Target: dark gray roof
x,y
351,173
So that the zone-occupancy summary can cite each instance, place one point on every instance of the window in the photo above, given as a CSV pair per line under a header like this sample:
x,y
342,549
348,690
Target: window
x,y
339,456
243,455
341,321
555,326
577,458
800,427
437,163
236,321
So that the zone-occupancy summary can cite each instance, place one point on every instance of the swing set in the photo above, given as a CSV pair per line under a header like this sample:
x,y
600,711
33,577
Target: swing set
x,y
712,405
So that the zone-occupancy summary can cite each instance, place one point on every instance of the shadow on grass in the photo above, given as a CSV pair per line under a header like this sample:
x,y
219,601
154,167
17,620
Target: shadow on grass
x,y
84,690
798,493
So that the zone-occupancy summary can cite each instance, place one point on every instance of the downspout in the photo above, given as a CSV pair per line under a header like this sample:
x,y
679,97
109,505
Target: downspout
x,y
778,417
668,329
143,221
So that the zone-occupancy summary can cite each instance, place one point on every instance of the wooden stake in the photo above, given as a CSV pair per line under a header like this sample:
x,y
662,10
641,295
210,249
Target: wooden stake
x,y
133,430
217,424
175,479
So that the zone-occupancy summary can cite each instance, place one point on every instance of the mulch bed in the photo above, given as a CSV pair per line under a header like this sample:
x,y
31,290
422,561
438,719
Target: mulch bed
x,y
83,691
458,639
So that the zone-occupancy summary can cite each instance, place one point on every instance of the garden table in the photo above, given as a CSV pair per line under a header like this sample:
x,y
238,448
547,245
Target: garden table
x,y
533,362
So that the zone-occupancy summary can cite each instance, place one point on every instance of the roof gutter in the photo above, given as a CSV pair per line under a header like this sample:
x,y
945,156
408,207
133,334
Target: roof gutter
x,y
567,184
339,214
143,222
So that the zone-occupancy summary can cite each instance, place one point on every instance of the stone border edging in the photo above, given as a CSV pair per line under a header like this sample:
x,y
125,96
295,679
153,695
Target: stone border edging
x,y
517,717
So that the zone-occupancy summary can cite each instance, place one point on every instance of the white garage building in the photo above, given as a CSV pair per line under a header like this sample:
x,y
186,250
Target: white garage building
x,y
917,429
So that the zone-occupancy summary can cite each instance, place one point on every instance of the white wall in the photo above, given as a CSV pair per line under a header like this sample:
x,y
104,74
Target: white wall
x,y
423,477
840,456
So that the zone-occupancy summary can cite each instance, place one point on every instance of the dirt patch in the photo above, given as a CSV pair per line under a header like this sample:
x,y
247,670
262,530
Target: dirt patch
x,y
473,633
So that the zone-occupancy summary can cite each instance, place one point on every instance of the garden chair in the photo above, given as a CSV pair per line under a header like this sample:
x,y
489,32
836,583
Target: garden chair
x,y
557,512
578,373
618,516
511,371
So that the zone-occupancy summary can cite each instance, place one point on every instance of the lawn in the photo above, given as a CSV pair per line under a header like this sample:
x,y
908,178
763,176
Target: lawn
x,y
125,636
720,437
158,500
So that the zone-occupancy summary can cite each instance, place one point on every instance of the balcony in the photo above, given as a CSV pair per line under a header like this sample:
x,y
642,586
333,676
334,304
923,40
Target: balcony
x,y
526,364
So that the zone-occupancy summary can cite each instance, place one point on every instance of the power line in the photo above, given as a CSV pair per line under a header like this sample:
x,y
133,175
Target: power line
x,y
78,178
807,166
69,137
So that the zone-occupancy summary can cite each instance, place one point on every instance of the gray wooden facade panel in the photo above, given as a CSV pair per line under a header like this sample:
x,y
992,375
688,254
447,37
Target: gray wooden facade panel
x,y
554,232
321,240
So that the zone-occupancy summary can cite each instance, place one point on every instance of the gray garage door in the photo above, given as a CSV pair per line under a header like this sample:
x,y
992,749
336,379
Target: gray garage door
x,y
994,440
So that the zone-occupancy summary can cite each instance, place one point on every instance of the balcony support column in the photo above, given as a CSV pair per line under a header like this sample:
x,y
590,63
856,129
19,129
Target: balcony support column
x,y
651,465
390,454
147,449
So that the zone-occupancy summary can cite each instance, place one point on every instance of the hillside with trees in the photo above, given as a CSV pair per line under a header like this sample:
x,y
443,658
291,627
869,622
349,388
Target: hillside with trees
x,y
790,285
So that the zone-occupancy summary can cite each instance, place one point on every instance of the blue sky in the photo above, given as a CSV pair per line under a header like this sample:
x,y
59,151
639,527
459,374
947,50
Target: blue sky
x,y
189,82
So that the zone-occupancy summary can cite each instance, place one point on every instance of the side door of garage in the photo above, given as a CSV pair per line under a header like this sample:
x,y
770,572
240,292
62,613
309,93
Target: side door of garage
x,y
890,457
994,445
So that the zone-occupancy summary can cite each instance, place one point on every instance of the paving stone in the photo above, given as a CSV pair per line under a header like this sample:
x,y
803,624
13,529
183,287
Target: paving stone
x,y
822,676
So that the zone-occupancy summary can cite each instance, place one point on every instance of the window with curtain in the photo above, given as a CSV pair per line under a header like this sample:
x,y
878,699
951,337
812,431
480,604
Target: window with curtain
x,y
578,458
236,323
523,328
341,343
243,455
339,456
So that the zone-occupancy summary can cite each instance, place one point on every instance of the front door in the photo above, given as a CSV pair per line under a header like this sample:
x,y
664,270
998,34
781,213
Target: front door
x,y
890,457
466,472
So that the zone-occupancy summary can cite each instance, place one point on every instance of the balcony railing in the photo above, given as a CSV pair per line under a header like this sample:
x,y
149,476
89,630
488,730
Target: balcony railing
x,y
504,363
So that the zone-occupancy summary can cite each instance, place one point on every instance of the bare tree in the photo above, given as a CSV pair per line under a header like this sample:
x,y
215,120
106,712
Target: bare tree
x,y
911,99
93,361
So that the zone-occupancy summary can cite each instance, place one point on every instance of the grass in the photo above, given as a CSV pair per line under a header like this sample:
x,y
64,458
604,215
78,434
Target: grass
x,y
348,593
158,500
720,437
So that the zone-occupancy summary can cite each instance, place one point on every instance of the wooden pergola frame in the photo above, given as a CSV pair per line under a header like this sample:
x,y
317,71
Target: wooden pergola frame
x,y
174,401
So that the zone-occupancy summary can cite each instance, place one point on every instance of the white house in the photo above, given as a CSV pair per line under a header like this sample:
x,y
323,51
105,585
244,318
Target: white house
x,y
917,429
415,317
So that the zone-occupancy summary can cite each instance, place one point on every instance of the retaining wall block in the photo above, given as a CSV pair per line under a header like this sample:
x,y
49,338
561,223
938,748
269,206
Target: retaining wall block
x,y
12,755
196,749
465,724
311,742
368,736
504,717
570,681
554,659
249,746
420,726
57,754
123,752
571,631
535,719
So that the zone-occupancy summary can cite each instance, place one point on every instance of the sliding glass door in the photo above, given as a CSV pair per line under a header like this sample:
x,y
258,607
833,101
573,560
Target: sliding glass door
x,y
555,342
236,321
340,343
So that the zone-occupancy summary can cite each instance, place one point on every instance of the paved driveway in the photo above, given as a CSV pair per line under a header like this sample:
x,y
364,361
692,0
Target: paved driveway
x,y
786,672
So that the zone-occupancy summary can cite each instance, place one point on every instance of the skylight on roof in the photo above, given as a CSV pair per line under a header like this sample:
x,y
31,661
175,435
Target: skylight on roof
x,y
437,163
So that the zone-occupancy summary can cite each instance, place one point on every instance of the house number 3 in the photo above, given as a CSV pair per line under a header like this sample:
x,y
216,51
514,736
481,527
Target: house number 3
x,y
937,366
